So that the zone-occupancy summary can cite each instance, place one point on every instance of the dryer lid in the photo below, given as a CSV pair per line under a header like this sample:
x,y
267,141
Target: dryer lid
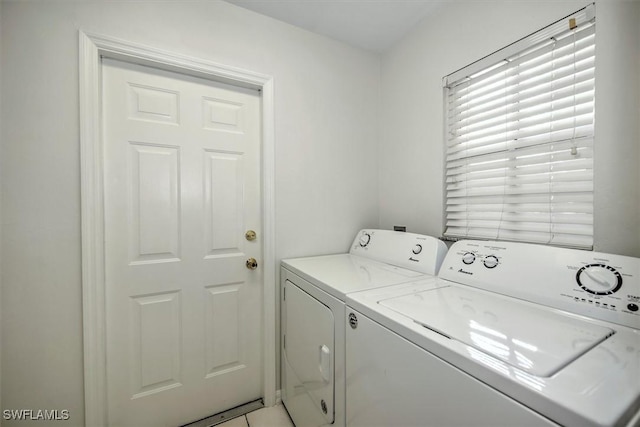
x,y
341,274
534,339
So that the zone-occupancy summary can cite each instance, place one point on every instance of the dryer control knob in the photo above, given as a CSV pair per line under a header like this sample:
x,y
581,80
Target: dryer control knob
x,y
417,249
365,239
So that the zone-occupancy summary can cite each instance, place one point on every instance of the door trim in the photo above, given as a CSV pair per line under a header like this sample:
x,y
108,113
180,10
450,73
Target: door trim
x,y
93,47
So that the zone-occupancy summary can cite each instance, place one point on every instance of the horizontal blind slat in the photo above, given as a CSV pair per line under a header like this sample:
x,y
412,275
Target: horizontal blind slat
x,y
557,159
579,229
554,207
571,176
521,198
576,164
558,239
540,188
526,154
542,217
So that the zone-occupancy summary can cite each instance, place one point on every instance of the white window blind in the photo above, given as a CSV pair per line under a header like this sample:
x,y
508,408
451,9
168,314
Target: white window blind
x,y
520,132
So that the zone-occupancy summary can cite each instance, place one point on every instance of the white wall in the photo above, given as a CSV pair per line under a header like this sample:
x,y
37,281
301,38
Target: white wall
x,y
617,143
411,143
326,108
1,38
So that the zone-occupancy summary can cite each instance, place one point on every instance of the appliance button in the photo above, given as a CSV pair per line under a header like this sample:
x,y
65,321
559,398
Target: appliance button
x,y
632,307
353,320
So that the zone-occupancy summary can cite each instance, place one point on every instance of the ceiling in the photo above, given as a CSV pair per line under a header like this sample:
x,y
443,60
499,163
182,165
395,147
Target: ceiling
x,y
374,25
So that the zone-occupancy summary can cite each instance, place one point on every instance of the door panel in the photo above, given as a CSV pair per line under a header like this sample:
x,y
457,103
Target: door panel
x,y
223,200
223,346
155,207
155,343
182,185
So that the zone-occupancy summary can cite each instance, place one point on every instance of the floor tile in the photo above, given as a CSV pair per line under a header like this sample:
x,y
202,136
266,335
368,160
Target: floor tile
x,y
236,422
275,416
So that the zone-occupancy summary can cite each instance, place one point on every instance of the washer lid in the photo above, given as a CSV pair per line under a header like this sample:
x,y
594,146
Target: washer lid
x,y
533,339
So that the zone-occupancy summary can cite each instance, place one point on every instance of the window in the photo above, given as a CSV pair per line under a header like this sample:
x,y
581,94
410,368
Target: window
x,y
519,139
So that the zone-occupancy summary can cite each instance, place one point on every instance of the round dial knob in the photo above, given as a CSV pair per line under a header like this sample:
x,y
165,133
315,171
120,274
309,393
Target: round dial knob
x,y
468,258
491,261
417,249
599,279
365,239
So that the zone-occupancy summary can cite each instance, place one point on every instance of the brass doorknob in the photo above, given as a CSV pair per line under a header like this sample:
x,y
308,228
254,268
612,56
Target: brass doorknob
x,y
252,264
250,235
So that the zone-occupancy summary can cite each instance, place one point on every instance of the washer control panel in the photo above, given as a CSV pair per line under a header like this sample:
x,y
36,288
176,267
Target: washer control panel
x,y
594,284
415,252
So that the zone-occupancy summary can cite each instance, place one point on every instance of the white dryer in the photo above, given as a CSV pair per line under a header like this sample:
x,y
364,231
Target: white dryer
x,y
508,335
313,292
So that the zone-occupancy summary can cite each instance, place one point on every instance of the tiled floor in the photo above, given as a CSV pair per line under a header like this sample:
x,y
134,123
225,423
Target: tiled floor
x,y
276,416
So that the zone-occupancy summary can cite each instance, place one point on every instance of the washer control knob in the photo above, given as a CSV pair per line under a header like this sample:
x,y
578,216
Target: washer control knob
x,y
491,261
417,249
633,307
599,279
468,258
365,239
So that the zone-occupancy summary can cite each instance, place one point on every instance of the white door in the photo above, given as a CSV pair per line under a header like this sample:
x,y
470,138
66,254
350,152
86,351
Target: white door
x,y
182,185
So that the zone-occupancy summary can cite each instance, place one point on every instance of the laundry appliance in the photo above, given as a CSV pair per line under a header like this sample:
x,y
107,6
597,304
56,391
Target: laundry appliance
x,y
313,292
508,334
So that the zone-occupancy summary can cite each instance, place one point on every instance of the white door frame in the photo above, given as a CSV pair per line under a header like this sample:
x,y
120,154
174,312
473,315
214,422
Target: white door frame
x,y
92,48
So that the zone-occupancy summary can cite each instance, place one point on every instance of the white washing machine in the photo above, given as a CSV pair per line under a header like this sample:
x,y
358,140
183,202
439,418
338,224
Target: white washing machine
x,y
508,335
313,292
